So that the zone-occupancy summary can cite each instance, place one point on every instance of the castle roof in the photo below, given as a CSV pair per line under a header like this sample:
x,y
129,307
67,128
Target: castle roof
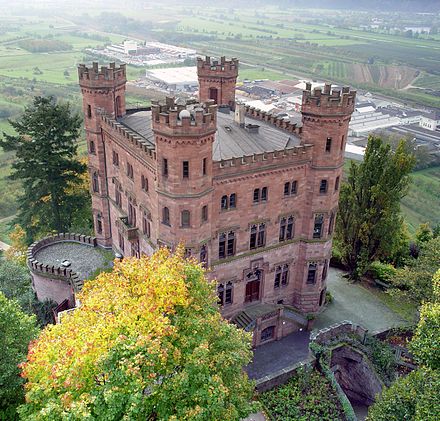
x,y
231,140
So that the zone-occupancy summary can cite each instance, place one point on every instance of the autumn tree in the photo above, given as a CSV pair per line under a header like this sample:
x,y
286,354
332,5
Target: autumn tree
x,y
46,163
16,331
147,343
369,222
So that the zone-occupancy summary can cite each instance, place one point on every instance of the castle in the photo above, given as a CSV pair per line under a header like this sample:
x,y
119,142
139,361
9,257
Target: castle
x,y
251,195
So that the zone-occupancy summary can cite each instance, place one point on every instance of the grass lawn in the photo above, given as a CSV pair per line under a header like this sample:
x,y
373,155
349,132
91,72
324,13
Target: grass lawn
x,y
259,73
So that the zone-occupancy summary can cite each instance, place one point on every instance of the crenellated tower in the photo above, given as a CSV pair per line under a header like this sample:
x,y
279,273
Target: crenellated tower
x,y
184,135
217,80
325,118
103,92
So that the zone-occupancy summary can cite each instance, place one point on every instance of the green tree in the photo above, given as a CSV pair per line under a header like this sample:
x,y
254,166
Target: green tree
x,y
16,331
423,233
46,163
147,343
416,279
369,222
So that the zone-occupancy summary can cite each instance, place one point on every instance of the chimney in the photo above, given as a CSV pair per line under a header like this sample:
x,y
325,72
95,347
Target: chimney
x,y
239,114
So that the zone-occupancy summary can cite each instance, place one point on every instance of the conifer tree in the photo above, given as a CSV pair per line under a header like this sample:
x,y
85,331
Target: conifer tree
x,y
46,164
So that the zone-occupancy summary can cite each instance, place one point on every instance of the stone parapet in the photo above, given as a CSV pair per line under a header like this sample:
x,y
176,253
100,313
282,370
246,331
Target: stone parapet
x,y
101,77
271,118
338,329
208,67
53,271
328,101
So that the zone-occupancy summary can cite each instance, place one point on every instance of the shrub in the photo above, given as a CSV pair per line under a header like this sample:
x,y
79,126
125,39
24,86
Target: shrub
x,y
382,271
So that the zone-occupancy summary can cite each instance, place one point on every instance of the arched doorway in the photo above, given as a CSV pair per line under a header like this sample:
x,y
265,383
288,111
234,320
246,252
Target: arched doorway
x,y
253,279
213,94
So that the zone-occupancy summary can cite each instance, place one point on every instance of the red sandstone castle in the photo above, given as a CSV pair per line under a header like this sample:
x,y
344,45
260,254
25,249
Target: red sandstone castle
x,y
251,195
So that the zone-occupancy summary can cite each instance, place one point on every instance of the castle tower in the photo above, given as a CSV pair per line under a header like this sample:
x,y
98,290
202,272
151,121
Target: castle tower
x,y
184,137
103,91
217,80
325,116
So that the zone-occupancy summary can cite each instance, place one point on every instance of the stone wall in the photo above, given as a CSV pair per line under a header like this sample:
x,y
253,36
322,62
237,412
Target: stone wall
x,y
338,329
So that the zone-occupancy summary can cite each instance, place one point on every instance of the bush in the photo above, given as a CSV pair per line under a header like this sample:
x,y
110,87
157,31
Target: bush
x,y
382,271
328,297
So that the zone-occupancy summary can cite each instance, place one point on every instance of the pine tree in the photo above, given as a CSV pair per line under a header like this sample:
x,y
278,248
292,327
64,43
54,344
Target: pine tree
x,y
47,165
369,222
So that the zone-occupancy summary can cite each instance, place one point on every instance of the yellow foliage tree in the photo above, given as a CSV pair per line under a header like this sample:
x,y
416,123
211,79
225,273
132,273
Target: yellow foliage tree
x,y
147,342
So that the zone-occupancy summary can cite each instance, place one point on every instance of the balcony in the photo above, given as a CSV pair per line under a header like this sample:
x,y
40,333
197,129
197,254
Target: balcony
x,y
130,231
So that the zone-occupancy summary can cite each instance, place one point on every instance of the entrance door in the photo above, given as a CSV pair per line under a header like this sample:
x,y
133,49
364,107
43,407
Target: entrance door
x,y
213,94
253,291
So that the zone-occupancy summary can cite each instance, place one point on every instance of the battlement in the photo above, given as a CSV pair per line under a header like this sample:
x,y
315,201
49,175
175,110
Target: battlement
x,y
297,154
328,101
209,67
104,76
270,118
184,119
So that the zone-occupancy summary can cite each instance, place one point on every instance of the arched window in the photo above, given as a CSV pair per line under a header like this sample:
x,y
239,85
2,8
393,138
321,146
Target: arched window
x,y
264,194
185,218
95,182
268,334
256,195
233,201
286,189
224,202
166,216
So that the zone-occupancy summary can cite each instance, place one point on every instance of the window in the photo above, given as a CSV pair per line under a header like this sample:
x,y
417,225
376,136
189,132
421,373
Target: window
x,y
185,169
232,201
256,195
204,166
121,241
258,236
323,187
328,144
185,218
290,189
264,194
224,202
144,183
165,167
331,223
115,158
342,142
287,189
146,226
267,333
293,189
118,197
99,223
131,214
311,274
228,202
204,254
165,216
286,228
89,111
205,213
337,183
135,249
324,270
225,294
281,276
92,148
130,173
226,245
95,182
317,228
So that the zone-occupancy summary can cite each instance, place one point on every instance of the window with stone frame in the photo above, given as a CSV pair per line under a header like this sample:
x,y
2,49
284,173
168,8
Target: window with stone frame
x,y
323,186
165,167
131,213
224,202
260,195
92,148
281,276
204,166
185,217
290,188
267,334
135,249
226,244
228,202
256,198
328,145
115,158
205,213
89,111
311,273
337,183
166,216
318,225
130,172
342,142
232,201
225,294
95,182
324,270
146,224
118,196
144,183
257,236
99,223
185,169
287,228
